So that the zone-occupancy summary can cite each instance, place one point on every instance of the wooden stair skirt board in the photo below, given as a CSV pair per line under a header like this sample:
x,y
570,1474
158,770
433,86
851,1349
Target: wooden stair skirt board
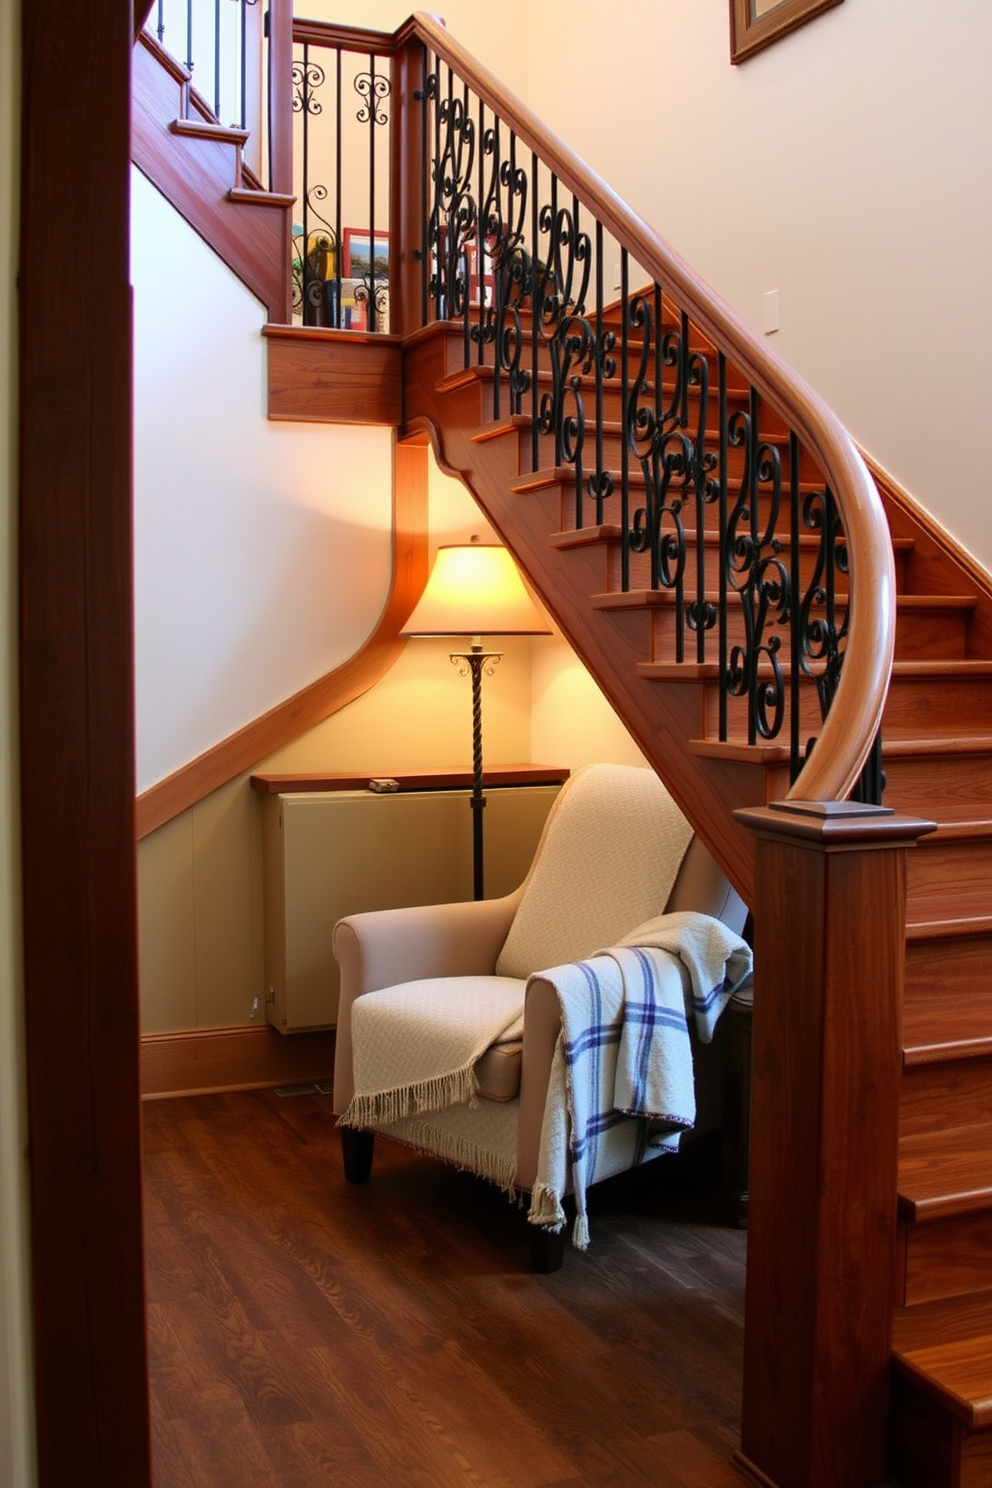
x,y
205,1061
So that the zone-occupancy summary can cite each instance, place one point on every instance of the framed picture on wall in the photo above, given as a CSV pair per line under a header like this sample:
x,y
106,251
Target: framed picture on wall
x,y
755,24
358,255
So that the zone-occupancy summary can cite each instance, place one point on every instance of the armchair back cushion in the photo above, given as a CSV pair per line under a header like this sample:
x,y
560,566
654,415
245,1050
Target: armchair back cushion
x,y
610,854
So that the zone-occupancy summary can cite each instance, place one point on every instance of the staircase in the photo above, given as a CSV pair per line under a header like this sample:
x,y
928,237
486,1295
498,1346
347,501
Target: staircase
x,y
198,165
937,757
937,760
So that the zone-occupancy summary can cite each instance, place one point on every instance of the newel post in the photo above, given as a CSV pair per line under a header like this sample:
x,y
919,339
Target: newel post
x,y
408,189
829,914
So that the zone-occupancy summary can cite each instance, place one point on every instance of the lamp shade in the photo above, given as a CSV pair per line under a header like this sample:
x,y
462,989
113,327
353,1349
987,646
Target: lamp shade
x,y
475,590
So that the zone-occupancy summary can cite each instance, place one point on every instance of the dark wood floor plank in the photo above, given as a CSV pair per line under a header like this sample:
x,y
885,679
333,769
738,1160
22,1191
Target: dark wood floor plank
x,y
303,1331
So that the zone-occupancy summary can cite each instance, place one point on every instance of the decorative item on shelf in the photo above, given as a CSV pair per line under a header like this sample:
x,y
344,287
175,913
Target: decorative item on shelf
x,y
475,590
366,265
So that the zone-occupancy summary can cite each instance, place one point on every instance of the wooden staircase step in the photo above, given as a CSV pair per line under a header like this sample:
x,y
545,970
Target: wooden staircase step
x,y
208,129
949,868
949,697
947,1026
942,1393
946,1173
958,1373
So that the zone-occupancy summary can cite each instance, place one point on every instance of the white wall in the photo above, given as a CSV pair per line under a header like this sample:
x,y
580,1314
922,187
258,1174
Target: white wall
x,y
496,35
262,550
16,1416
846,166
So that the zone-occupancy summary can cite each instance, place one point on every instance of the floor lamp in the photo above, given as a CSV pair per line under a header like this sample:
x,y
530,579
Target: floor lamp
x,y
475,590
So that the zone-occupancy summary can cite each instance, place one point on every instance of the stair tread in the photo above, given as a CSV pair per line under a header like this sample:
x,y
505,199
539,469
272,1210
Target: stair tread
x,y
971,667
945,1173
905,602
558,475
946,1348
935,919
954,1026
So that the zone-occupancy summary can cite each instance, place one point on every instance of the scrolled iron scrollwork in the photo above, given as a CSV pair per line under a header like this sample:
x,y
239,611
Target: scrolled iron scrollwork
x,y
308,77
822,634
665,439
314,264
374,88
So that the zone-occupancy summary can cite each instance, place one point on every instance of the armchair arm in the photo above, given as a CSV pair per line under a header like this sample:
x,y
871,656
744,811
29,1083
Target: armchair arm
x,y
542,1025
381,948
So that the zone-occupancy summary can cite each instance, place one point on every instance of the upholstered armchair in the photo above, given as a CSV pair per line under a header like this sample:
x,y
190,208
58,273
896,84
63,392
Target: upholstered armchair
x,y
449,1041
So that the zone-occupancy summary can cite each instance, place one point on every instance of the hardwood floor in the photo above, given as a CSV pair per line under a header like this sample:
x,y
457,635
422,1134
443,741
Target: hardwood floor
x,y
303,1331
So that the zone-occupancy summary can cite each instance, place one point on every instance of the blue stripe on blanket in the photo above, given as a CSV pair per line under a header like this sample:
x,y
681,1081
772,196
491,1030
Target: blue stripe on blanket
x,y
585,1142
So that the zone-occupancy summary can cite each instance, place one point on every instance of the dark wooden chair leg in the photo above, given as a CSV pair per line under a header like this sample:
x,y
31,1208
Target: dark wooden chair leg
x,y
547,1250
357,1149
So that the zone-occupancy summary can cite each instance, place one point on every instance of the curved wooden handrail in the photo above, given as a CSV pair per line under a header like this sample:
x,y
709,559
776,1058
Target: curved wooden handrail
x,y
846,736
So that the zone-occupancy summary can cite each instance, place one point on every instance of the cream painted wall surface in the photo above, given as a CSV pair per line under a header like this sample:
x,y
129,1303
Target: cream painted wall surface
x,y
496,36
17,1468
571,721
846,166
262,550
200,875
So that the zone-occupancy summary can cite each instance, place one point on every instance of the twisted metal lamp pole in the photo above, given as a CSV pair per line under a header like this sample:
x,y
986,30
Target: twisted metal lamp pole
x,y
476,661
475,590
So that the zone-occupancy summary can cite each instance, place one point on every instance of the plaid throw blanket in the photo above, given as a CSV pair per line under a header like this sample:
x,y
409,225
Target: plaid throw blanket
x,y
622,1077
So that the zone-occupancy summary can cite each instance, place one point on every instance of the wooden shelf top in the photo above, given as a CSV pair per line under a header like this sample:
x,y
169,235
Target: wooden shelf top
x,y
410,780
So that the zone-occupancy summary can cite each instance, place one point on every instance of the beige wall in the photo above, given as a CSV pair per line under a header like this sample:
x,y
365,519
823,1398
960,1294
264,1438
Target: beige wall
x,y
16,1435
845,166
200,876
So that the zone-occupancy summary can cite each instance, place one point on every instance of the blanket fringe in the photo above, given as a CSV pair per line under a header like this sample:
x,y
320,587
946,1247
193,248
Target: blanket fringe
x,y
462,1152
546,1208
383,1107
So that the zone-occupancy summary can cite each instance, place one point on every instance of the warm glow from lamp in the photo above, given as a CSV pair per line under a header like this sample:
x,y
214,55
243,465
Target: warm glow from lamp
x,y
473,591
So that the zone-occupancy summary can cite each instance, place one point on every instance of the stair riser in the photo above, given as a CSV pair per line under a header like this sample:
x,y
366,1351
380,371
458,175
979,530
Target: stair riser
x,y
939,869
938,1097
948,965
931,1448
640,563
946,1258
916,784
609,455
931,706
907,626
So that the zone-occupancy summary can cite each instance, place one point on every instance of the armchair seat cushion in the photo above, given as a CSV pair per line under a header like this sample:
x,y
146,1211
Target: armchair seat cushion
x,y
417,1045
497,1073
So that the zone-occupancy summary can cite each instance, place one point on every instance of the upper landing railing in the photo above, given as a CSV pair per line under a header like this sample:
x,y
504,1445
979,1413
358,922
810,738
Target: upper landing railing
x,y
427,193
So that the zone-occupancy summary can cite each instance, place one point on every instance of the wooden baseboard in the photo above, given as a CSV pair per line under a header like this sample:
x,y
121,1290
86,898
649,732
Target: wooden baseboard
x,y
204,1061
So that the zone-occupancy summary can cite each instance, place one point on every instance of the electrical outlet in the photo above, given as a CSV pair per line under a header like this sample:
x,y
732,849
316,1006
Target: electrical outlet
x,y
771,312
254,1008
617,276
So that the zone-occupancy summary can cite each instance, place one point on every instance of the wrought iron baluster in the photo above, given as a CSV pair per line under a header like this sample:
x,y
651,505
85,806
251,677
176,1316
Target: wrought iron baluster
x,y
536,317
480,243
795,638
425,98
243,72
723,461
189,36
337,313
